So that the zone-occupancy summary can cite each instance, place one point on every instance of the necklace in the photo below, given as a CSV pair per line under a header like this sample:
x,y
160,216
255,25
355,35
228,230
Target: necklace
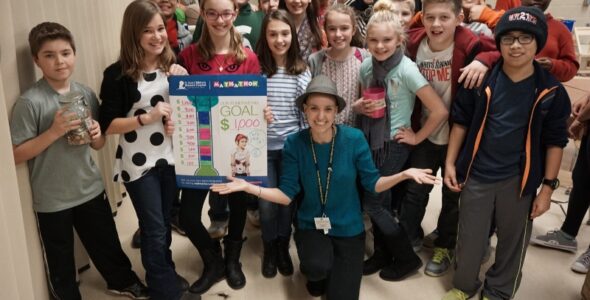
x,y
220,65
324,193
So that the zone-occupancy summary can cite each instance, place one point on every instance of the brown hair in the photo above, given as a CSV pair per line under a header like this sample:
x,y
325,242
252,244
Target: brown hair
x,y
137,16
357,40
205,45
294,64
48,31
311,12
456,5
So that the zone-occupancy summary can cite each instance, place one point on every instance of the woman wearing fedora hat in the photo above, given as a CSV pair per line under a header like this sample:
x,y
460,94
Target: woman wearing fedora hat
x,y
320,163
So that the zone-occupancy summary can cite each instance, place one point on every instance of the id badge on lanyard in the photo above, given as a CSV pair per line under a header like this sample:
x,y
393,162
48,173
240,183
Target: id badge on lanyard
x,y
322,223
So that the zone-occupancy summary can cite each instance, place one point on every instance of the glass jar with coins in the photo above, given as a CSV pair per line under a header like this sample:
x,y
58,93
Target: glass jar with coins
x,y
76,106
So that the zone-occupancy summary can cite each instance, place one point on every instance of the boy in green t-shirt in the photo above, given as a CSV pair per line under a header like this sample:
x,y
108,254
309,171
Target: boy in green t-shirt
x,y
67,186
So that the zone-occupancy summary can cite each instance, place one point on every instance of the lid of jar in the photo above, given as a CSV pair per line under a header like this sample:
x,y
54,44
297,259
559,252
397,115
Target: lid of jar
x,y
70,97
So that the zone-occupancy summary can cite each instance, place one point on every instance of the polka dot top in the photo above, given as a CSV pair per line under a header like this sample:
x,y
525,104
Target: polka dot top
x,y
148,146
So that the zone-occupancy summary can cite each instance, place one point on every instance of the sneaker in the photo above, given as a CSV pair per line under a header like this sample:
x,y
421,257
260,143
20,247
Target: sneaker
x,y
135,291
217,229
175,224
253,217
440,262
455,294
428,241
136,240
556,239
582,263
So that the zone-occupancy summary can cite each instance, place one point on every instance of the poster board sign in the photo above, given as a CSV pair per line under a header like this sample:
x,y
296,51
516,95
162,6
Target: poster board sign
x,y
220,129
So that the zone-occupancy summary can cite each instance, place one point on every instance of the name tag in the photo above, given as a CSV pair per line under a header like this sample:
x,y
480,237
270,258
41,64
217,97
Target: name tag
x,y
322,223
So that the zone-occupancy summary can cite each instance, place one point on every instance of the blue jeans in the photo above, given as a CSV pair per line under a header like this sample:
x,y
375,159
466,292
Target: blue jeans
x,y
275,219
152,197
378,206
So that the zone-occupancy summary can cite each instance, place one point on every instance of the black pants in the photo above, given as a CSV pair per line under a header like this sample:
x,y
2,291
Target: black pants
x,y
191,207
339,260
428,155
580,195
95,226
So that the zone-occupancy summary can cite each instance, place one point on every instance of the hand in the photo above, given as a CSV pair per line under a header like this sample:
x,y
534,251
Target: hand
x,y
473,74
95,132
235,185
576,130
475,12
545,62
176,69
168,126
578,105
542,202
365,107
161,110
63,122
421,176
406,136
268,114
451,178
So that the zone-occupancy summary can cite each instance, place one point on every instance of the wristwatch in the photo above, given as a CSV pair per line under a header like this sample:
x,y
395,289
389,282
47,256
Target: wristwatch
x,y
552,183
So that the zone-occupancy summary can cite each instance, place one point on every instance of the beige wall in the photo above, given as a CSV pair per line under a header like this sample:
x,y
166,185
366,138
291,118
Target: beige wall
x,y
96,26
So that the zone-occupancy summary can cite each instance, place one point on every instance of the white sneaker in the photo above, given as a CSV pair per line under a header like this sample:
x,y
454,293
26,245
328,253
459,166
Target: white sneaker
x,y
582,264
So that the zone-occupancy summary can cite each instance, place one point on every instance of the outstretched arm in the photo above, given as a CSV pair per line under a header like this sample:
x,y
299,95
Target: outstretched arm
x,y
237,184
421,176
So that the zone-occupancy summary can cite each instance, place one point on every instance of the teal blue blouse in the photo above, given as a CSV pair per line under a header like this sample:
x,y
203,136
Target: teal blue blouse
x,y
352,161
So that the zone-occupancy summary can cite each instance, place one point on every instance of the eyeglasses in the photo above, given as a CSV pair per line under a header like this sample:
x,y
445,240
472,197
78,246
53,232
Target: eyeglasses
x,y
212,15
523,39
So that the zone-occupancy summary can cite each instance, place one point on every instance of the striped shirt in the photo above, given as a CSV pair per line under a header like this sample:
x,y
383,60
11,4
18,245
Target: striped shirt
x,y
282,90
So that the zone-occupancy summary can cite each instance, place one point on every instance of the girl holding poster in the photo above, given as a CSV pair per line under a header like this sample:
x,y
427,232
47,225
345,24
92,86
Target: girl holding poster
x,y
288,76
134,95
218,51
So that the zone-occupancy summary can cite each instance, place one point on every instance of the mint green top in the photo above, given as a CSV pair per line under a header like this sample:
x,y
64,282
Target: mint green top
x,y
403,82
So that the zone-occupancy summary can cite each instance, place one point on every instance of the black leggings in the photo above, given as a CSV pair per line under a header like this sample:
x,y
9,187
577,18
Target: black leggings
x,y
191,206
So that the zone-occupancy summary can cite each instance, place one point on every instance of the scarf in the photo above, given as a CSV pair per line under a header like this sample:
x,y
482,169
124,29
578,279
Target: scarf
x,y
377,131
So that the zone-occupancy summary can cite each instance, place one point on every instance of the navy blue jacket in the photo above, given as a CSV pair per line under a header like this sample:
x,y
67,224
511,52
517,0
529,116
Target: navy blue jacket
x,y
547,125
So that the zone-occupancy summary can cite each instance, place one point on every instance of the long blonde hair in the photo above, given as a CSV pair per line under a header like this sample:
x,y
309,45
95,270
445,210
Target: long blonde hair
x,y
206,47
383,13
137,16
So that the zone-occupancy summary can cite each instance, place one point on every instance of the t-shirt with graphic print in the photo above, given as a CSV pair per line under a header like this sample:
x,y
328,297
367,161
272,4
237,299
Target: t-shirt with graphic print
x,y
436,68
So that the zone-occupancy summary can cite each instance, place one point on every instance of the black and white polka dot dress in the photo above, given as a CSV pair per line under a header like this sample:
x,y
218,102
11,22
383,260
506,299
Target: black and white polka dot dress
x,y
147,146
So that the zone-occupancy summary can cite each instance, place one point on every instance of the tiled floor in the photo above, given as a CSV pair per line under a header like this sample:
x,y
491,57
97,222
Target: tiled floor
x,y
546,273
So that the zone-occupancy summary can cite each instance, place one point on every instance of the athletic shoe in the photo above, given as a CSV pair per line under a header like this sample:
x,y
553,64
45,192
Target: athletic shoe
x,y
455,294
556,239
440,262
582,264
135,291
428,241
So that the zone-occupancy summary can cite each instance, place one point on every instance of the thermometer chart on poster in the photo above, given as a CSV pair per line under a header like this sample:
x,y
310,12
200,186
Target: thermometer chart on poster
x,y
220,129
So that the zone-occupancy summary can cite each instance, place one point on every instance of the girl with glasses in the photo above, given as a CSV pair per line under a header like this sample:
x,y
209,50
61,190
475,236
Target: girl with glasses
x,y
219,50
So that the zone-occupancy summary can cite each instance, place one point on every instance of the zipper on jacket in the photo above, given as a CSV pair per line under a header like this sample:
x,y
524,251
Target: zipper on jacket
x,y
488,92
527,149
